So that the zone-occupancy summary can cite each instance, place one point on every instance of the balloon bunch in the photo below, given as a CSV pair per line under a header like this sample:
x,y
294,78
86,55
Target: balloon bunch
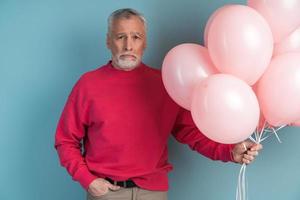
x,y
246,79
247,72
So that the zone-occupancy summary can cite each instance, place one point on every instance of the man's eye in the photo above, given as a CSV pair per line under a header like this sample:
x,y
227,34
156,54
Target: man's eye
x,y
136,37
120,37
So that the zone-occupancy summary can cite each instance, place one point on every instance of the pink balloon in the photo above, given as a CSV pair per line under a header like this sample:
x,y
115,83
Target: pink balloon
x,y
240,42
279,90
262,119
225,108
208,24
288,44
297,123
283,16
183,67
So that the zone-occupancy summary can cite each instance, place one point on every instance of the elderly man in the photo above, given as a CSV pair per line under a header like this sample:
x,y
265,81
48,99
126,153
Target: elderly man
x,y
124,117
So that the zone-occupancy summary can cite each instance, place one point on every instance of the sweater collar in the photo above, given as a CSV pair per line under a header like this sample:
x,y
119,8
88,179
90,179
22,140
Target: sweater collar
x,y
140,67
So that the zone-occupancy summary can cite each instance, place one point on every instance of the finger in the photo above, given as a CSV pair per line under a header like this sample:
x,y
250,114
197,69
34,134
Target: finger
x,y
252,146
244,146
249,144
248,157
256,147
252,153
105,181
113,187
99,191
246,161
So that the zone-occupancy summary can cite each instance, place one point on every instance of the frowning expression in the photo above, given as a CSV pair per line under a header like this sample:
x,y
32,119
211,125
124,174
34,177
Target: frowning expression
x,y
127,42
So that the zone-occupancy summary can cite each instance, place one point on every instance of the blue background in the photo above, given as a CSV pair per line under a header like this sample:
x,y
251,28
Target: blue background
x,y
46,45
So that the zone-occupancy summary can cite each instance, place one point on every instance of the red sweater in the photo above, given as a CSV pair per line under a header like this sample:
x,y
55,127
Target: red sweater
x,y
124,120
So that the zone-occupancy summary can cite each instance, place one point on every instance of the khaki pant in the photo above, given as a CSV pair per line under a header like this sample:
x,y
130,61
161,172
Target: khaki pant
x,y
134,193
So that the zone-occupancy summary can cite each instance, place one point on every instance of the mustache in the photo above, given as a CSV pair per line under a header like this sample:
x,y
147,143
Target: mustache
x,y
127,54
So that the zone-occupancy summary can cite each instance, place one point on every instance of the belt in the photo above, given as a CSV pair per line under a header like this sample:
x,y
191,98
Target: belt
x,y
125,184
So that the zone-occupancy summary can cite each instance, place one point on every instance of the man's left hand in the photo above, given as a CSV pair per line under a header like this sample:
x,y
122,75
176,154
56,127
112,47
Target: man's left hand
x,y
245,152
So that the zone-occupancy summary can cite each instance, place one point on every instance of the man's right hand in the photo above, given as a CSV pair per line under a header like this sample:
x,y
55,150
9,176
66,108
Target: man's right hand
x,y
100,187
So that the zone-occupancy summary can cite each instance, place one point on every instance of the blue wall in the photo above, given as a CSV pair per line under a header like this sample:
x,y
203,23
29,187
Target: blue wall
x,y
46,45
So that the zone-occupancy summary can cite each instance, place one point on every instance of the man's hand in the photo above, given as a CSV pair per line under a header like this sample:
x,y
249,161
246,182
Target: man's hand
x,y
245,152
100,187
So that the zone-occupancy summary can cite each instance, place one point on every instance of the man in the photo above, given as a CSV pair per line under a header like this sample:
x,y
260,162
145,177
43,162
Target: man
x,y
124,117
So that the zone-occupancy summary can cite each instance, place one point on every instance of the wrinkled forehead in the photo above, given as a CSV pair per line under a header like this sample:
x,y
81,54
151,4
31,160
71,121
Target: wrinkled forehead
x,y
130,24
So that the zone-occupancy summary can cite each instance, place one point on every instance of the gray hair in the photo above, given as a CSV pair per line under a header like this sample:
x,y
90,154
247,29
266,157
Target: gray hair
x,y
125,13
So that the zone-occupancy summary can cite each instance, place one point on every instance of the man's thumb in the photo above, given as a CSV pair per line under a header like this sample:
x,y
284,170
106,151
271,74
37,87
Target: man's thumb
x,y
249,144
113,187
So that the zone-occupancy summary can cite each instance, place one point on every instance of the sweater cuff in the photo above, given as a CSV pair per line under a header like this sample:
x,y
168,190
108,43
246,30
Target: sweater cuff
x,y
84,177
230,156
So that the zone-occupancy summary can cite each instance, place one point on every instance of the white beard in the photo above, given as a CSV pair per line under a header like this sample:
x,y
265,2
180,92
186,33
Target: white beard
x,y
126,64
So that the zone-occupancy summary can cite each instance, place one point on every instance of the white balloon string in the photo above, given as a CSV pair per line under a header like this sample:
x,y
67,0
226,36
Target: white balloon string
x,y
252,139
241,188
257,137
280,127
264,138
268,131
261,133
276,135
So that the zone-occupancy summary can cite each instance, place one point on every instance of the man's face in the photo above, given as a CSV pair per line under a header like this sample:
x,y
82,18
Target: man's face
x,y
127,41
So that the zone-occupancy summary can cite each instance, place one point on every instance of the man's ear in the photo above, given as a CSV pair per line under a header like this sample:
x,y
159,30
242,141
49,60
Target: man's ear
x,y
145,44
108,44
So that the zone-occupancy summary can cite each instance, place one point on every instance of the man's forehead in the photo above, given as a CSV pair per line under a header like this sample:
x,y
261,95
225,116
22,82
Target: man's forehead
x,y
133,23
129,32
129,18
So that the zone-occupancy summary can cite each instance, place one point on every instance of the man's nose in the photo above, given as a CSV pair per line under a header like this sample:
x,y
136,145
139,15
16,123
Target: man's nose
x,y
128,44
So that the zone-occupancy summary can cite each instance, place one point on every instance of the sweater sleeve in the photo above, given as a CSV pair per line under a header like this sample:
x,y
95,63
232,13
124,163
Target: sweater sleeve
x,y
69,134
186,132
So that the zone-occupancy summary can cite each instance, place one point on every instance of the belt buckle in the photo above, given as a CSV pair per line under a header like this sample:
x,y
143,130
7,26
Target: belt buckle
x,y
124,184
